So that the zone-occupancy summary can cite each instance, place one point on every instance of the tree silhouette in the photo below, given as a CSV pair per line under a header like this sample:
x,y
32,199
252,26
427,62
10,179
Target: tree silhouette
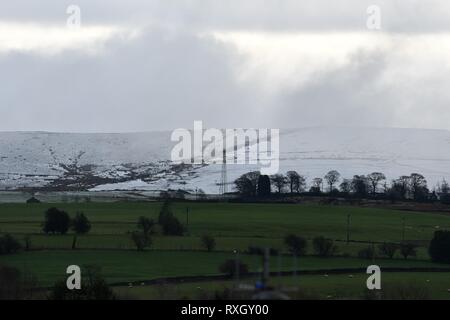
x,y
332,177
375,178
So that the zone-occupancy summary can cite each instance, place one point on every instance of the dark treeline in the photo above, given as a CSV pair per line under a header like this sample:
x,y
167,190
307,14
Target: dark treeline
x,y
372,186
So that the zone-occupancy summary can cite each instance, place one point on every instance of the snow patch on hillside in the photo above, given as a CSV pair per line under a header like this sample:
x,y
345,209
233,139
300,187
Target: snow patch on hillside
x,y
141,161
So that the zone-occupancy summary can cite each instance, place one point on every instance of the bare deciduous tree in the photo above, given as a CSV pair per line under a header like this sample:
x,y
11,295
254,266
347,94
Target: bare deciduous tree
x,y
279,181
332,177
418,185
375,178
296,181
247,183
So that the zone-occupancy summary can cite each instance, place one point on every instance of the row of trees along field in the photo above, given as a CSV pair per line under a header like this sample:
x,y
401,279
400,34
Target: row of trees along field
x,y
373,185
59,222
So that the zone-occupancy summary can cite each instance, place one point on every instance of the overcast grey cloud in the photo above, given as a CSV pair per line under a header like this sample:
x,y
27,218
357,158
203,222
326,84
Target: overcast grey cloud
x,y
375,89
137,85
268,15
157,65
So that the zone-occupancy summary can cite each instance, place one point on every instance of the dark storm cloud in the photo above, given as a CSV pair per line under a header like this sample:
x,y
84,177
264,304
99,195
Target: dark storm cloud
x,y
158,81
346,96
364,93
175,71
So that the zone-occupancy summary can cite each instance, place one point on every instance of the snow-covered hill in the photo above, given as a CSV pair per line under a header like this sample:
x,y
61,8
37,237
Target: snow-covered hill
x,y
142,160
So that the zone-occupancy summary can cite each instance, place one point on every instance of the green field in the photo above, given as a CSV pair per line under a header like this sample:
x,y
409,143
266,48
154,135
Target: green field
x,y
130,266
415,285
235,227
241,220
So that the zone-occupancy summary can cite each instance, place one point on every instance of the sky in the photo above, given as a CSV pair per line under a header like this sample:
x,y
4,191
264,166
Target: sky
x,y
159,65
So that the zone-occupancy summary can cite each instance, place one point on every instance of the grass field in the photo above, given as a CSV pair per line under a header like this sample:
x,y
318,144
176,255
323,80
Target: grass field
x,y
130,266
241,220
434,285
235,227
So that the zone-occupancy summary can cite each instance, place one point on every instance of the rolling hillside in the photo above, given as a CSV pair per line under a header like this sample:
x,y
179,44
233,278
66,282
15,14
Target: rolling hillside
x,y
141,161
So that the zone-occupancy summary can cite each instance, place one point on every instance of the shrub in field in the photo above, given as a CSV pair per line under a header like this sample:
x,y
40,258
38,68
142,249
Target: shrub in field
x,y
56,221
15,284
324,247
93,287
165,209
170,225
367,253
142,237
388,249
439,248
146,225
296,245
8,244
80,225
141,240
230,267
208,242
408,250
